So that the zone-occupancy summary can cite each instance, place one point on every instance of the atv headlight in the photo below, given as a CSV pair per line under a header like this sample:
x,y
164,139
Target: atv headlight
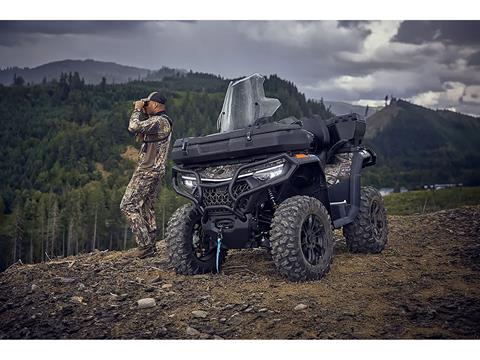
x,y
189,182
269,173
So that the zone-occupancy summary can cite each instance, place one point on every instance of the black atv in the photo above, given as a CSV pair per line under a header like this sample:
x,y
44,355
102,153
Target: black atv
x,y
281,185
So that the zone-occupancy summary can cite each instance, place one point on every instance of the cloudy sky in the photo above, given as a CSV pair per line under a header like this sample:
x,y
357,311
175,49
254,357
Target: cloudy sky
x,y
433,63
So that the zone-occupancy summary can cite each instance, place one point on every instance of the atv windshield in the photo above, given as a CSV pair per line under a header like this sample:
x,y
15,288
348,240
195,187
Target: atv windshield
x,y
245,103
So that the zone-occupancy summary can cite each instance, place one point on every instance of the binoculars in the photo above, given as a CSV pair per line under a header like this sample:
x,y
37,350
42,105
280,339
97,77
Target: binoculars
x,y
145,103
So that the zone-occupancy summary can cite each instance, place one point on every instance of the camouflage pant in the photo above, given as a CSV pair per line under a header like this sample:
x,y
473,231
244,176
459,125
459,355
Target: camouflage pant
x,y
340,169
138,205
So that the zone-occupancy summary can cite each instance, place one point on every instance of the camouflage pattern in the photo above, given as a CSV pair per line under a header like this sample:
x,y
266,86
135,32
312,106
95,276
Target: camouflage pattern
x,y
339,169
139,199
219,172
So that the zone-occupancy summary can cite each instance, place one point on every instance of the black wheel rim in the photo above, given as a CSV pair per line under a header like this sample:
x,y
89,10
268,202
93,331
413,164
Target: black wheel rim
x,y
377,219
202,247
312,238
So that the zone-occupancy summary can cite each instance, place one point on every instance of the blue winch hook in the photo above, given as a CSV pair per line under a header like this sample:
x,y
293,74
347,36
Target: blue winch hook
x,y
219,246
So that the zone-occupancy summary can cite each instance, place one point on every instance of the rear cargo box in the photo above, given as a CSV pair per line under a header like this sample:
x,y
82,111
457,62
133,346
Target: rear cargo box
x,y
265,139
349,127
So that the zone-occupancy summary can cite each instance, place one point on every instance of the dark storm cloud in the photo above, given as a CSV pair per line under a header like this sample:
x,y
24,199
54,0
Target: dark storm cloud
x,y
474,59
450,32
352,23
355,24
15,32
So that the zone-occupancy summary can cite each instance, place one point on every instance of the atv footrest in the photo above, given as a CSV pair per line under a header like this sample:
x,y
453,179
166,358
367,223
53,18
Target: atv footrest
x,y
339,209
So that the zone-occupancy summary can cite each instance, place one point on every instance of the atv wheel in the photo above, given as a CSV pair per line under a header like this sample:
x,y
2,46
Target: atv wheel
x,y
368,232
302,239
189,251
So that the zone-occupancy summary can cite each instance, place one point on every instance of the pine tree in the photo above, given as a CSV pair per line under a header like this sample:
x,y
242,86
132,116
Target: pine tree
x,y
17,231
54,227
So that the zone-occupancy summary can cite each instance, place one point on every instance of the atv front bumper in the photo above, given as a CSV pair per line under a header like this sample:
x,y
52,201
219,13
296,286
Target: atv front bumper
x,y
229,205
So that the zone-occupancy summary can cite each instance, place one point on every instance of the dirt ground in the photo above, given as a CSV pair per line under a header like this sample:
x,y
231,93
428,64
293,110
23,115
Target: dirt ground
x,y
426,284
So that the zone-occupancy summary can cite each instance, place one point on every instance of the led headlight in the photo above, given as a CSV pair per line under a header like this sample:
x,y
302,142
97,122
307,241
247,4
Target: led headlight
x,y
189,182
268,173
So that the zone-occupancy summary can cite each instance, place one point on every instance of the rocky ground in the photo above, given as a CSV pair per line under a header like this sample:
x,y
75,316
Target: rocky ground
x,y
424,285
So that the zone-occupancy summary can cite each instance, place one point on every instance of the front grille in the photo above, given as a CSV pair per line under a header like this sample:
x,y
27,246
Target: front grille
x,y
219,195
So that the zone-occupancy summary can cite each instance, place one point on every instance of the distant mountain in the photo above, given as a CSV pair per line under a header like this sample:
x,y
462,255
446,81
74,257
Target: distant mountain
x,y
340,108
91,70
417,145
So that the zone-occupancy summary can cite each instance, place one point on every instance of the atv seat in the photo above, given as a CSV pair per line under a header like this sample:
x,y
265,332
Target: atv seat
x,y
318,127
332,136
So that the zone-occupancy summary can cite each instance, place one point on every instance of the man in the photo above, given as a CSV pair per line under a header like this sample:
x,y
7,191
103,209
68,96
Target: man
x,y
138,201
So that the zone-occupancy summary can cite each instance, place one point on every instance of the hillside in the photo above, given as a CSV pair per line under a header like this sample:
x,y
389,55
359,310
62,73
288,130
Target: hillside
x,y
425,284
417,146
92,72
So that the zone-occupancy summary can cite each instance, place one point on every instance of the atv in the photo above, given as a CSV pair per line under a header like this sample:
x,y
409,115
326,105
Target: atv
x,y
283,185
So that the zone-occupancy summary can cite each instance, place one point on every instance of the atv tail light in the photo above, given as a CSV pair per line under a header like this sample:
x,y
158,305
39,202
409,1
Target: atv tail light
x,y
268,173
301,156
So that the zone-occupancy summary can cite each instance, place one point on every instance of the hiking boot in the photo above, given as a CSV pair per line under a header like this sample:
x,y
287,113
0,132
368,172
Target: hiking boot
x,y
146,251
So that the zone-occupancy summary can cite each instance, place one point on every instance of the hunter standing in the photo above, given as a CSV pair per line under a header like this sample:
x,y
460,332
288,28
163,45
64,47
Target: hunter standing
x,y
153,127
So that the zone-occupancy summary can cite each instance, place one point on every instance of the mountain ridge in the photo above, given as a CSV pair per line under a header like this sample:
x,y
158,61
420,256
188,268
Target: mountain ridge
x,y
91,70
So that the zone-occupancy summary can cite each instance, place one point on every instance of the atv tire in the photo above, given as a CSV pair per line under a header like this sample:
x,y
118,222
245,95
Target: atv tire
x,y
301,238
369,231
186,243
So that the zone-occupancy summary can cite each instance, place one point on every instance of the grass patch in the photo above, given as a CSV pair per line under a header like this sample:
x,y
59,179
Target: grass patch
x,y
422,201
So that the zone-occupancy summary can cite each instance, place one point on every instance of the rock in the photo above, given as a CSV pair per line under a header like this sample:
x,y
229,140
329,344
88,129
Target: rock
x,y
248,309
65,280
300,307
34,287
77,299
162,331
200,314
201,276
192,331
146,303
67,310
156,279
167,286
81,287
262,310
222,320
216,337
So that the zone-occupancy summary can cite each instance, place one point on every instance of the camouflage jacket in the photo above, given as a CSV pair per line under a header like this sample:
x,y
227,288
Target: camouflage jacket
x,y
153,154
